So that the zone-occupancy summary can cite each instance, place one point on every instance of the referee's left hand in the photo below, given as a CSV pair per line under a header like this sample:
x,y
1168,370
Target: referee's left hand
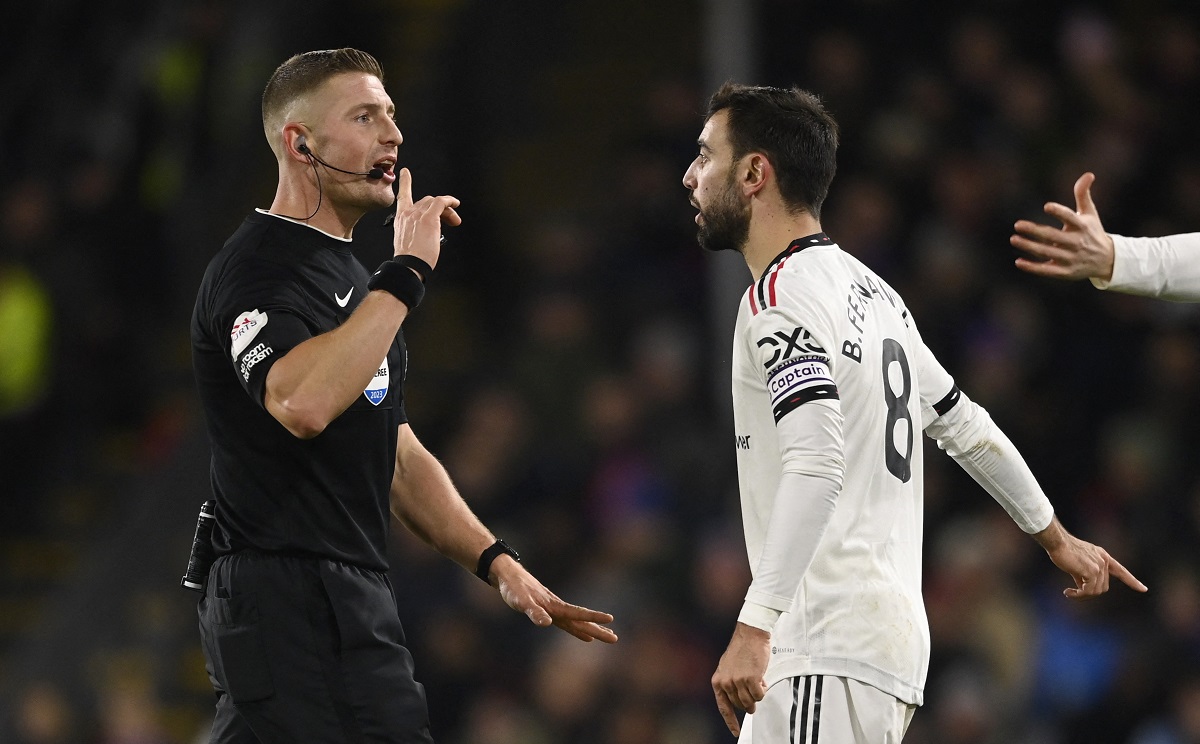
x,y
525,594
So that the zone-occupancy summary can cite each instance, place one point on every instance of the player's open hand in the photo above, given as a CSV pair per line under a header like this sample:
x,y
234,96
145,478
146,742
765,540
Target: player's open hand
x,y
739,681
1081,249
525,594
418,226
1089,565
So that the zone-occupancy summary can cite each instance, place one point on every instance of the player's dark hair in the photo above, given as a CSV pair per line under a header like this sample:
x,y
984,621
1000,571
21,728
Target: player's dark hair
x,y
792,129
306,72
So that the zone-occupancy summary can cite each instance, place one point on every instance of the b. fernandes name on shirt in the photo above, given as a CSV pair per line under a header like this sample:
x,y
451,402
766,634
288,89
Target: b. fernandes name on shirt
x,y
856,312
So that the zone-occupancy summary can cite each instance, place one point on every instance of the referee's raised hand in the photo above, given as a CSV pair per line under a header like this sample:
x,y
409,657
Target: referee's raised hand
x,y
418,226
525,594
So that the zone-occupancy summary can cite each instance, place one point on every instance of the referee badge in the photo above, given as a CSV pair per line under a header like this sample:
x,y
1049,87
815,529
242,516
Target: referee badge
x,y
378,386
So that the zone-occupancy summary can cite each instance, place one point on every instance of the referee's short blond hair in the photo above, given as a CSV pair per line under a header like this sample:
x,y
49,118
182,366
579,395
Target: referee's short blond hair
x,y
302,74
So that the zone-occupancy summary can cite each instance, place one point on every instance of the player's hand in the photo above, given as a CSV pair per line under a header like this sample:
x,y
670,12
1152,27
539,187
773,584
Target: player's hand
x,y
739,682
1081,249
1089,565
418,227
525,594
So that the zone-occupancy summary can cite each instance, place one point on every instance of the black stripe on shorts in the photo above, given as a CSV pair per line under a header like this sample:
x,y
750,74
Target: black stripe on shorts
x,y
817,710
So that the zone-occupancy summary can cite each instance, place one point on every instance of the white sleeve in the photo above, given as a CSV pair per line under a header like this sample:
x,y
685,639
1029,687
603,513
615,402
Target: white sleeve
x,y
967,433
1167,267
813,466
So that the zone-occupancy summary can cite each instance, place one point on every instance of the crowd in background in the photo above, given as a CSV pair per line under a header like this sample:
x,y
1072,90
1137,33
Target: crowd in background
x,y
565,365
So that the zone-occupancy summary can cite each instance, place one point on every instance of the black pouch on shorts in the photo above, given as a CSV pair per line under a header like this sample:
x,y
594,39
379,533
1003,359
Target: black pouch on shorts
x,y
236,648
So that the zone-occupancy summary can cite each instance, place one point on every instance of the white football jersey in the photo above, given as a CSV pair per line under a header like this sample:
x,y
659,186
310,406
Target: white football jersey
x,y
821,329
1166,267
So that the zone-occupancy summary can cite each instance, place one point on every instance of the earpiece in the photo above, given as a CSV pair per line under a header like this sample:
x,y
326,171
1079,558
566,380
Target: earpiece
x,y
302,144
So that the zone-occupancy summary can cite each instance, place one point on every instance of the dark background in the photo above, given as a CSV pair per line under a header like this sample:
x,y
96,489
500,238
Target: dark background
x,y
570,364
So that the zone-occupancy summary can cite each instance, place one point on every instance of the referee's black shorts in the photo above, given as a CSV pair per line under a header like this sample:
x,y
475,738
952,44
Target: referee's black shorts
x,y
307,650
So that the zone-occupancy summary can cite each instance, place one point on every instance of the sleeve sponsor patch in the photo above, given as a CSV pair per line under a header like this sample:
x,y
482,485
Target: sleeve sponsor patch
x,y
253,357
798,381
245,327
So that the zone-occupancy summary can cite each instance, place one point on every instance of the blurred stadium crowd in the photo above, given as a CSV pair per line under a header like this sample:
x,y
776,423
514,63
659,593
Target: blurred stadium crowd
x,y
565,365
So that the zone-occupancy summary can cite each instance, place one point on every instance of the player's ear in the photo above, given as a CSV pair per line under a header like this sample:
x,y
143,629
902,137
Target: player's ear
x,y
756,173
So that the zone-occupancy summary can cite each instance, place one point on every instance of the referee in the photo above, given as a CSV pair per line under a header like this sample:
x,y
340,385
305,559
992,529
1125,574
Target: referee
x,y
300,361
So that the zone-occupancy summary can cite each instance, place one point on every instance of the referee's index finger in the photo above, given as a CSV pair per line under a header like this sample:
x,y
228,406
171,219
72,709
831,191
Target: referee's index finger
x,y
404,193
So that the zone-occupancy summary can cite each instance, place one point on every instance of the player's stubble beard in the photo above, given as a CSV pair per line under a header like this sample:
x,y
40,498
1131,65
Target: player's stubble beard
x,y
725,225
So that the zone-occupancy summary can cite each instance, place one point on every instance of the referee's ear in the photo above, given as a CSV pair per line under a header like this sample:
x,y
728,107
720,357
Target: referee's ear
x,y
295,141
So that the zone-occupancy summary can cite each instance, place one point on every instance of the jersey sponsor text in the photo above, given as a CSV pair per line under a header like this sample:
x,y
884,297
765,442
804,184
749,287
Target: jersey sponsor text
x,y
799,340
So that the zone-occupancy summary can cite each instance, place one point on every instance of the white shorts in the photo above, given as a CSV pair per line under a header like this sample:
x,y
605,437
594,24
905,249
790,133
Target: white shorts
x,y
837,710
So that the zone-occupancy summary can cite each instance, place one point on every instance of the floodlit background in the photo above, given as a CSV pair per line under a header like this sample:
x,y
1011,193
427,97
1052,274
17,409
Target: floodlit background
x,y
570,364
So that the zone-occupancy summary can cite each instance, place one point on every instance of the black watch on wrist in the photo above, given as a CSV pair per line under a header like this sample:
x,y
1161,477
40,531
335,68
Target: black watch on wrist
x,y
489,555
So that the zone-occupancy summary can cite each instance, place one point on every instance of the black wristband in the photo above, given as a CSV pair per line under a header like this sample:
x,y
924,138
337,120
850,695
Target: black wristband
x,y
489,555
400,282
416,264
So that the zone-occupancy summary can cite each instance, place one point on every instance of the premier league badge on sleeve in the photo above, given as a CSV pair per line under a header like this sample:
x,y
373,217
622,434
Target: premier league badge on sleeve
x,y
377,389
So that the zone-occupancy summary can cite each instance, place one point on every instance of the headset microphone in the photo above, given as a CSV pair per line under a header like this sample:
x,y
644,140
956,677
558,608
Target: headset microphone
x,y
302,145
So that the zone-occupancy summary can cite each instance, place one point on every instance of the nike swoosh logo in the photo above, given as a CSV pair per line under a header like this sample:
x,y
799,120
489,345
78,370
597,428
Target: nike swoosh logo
x,y
341,301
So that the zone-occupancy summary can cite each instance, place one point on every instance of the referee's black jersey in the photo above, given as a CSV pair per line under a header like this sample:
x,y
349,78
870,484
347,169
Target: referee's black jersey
x,y
275,284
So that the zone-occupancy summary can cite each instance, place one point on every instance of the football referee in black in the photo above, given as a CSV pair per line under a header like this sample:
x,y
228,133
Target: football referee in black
x,y
300,361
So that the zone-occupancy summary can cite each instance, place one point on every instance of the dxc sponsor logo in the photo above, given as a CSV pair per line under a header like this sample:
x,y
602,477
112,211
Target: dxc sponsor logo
x,y
784,344
742,443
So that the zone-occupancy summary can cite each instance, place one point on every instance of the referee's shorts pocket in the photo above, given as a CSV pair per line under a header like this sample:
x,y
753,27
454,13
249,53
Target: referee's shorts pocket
x,y
232,640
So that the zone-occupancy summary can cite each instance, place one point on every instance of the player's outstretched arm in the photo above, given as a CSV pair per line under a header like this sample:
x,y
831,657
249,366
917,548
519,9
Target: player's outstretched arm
x,y
967,433
525,594
1089,565
1080,249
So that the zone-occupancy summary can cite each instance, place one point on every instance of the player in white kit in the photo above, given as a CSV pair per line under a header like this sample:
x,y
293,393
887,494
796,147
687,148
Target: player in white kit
x,y
1166,267
831,385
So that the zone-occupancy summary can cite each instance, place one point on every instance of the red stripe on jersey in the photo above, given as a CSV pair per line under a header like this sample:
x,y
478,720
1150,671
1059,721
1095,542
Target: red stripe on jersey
x,y
765,287
775,275
753,304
